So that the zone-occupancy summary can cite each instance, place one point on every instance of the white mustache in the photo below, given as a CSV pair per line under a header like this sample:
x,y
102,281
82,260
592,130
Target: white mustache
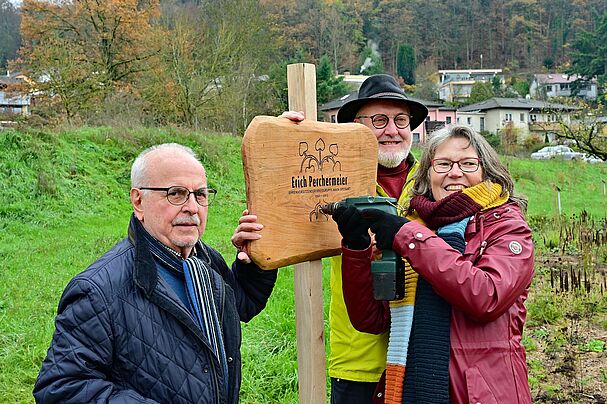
x,y
189,220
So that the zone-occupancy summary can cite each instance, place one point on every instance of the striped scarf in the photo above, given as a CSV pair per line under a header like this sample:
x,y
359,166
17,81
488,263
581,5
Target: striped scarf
x,y
199,290
419,341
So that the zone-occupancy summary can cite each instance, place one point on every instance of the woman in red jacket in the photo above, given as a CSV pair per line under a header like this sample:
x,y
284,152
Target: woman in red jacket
x,y
456,336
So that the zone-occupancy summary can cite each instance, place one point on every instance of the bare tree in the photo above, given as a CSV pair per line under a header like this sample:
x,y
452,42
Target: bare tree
x,y
587,129
210,64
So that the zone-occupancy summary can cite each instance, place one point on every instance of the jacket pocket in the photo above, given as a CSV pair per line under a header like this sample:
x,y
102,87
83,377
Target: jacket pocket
x,y
479,391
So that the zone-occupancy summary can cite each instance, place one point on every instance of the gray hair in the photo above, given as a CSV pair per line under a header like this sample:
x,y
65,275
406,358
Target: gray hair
x,y
493,169
139,169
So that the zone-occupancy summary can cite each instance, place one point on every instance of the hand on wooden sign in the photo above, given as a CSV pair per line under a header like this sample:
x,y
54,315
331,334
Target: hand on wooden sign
x,y
295,116
246,232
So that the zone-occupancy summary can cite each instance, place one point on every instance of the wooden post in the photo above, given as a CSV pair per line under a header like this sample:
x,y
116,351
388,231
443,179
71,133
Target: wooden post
x,y
558,198
301,79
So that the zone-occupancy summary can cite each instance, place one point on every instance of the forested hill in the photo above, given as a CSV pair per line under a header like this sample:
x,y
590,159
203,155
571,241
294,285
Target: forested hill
x,y
522,34
197,62
451,33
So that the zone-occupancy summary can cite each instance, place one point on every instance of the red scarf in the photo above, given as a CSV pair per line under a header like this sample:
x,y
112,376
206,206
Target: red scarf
x,y
459,205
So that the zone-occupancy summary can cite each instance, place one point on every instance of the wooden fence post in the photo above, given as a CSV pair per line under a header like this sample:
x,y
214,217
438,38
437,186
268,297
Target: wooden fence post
x,y
301,78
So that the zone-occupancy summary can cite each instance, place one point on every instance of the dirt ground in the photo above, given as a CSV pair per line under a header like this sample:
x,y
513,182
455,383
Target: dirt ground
x,y
562,368
571,375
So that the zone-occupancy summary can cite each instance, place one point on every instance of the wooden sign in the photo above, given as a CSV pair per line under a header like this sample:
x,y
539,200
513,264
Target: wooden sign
x,y
291,170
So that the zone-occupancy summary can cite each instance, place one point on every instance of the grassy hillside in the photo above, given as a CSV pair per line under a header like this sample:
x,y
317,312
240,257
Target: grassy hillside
x,y
581,185
64,201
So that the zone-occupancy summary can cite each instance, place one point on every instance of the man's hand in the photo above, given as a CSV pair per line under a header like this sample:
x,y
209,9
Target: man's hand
x,y
295,116
384,225
353,229
246,232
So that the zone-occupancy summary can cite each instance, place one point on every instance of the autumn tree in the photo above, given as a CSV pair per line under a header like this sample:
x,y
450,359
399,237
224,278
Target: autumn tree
x,y
343,33
298,26
397,15
457,34
83,49
426,85
244,91
427,38
509,136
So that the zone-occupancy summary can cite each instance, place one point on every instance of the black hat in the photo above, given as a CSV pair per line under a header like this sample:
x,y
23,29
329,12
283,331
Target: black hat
x,y
382,87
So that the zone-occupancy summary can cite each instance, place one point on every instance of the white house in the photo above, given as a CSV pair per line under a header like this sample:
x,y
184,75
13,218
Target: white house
x,y
13,104
545,86
528,117
17,105
354,81
456,85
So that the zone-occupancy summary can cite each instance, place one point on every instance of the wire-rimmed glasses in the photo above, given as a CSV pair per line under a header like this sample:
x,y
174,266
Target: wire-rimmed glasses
x,y
467,165
179,195
380,121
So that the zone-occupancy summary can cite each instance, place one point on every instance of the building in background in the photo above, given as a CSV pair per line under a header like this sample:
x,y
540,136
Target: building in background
x,y
12,102
456,85
546,86
528,117
354,81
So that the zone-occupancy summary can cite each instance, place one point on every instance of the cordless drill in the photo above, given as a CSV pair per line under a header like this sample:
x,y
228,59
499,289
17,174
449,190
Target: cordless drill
x,y
389,272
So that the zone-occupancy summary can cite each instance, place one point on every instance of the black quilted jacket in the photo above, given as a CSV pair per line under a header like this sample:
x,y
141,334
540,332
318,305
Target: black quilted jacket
x,y
123,336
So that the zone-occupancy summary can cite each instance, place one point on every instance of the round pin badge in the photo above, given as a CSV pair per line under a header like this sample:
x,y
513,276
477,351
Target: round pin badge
x,y
515,247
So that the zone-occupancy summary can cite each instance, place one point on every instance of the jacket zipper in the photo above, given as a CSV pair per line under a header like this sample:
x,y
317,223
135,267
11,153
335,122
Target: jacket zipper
x,y
481,229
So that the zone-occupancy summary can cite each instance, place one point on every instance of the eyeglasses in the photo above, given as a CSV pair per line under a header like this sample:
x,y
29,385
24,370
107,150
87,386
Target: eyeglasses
x,y
467,165
179,195
380,121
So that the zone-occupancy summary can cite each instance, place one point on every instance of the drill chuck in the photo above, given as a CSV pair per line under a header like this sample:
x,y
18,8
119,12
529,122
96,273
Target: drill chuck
x,y
329,207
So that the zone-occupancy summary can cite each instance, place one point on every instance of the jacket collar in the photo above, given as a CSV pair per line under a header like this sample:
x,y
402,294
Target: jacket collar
x,y
145,273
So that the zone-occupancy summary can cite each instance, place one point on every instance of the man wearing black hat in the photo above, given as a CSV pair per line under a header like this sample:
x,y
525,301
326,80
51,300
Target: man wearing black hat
x,y
357,360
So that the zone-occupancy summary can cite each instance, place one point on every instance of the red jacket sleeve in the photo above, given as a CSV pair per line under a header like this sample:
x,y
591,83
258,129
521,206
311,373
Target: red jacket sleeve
x,y
484,284
366,314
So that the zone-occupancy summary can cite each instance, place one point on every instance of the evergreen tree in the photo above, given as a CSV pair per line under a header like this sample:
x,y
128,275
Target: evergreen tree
x,y
589,58
481,91
10,22
406,63
328,86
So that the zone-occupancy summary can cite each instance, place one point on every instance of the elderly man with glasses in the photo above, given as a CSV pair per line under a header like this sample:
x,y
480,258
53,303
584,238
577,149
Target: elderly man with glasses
x,y
357,360
157,318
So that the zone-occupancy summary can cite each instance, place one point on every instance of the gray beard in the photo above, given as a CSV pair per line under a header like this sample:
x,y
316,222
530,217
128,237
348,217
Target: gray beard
x,y
392,159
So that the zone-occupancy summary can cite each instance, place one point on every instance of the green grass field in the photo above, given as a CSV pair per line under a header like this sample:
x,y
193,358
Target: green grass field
x,y
64,202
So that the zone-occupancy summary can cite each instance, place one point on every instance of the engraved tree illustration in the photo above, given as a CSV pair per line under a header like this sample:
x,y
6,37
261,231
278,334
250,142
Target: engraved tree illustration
x,y
312,163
